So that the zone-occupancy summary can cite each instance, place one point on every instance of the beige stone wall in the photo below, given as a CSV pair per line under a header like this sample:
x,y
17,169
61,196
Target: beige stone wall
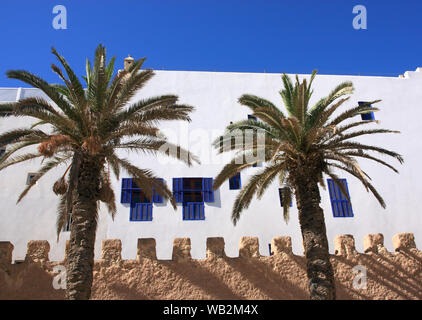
x,y
390,275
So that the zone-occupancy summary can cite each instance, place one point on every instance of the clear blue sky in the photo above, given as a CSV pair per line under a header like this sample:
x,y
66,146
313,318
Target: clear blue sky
x,y
223,35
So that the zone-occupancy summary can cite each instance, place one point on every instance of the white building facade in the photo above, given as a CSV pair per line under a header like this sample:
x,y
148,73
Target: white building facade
x,y
214,95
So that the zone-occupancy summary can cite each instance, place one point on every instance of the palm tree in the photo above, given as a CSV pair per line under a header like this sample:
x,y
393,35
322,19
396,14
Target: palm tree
x,y
299,148
85,128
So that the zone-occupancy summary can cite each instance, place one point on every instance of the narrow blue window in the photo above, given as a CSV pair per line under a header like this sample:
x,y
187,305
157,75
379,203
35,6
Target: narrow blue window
x,y
208,189
178,189
193,193
367,116
235,182
342,208
269,248
126,190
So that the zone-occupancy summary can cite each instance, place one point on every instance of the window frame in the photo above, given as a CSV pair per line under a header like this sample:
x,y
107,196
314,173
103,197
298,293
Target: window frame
x,y
128,187
207,194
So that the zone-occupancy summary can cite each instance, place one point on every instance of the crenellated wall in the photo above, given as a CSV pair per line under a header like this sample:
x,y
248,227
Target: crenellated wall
x,y
390,275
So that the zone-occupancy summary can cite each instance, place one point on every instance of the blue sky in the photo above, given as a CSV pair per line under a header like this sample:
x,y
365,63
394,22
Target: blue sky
x,y
231,35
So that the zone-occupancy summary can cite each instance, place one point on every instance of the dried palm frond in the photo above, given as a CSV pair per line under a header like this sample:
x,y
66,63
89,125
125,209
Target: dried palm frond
x,y
49,147
105,193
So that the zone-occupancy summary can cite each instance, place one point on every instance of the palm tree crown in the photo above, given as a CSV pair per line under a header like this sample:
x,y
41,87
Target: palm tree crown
x,y
305,140
97,121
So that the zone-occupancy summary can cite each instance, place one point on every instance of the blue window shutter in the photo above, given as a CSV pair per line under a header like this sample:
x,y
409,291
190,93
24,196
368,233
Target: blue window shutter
x,y
156,197
333,197
235,182
193,211
146,211
185,211
207,189
367,116
239,181
141,212
126,195
178,189
132,216
340,205
143,209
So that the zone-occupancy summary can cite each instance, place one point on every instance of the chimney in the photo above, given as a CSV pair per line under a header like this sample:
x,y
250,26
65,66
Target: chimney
x,y
128,62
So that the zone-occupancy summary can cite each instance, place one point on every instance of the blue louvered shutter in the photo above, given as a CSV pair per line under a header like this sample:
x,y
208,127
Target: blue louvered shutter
x,y
207,184
193,211
146,211
235,182
340,205
232,183
141,212
367,116
156,197
178,189
126,195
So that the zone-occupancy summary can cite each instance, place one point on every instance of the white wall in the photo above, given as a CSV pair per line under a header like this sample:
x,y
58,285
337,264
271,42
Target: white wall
x,y
215,97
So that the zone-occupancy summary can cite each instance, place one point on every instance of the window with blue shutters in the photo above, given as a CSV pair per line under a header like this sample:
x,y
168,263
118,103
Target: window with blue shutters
x,y
193,211
367,116
193,193
141,212
341,206
235,182
140,204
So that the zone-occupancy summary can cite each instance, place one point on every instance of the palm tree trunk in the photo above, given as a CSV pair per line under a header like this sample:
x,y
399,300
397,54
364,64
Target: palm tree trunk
x,y
83,228
311,218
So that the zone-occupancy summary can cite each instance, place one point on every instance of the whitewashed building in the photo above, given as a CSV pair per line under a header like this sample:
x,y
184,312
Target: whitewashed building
x,y
215,94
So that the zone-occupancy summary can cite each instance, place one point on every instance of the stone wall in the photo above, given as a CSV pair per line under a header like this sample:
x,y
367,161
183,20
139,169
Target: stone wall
x,y
390,275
